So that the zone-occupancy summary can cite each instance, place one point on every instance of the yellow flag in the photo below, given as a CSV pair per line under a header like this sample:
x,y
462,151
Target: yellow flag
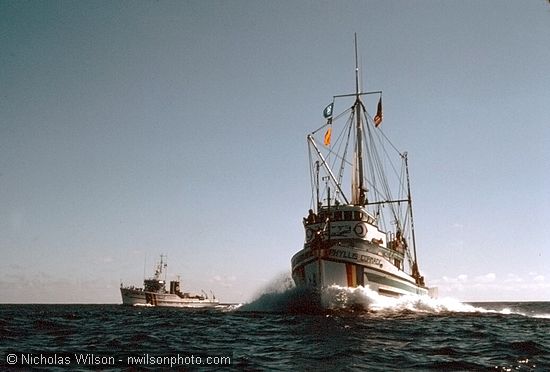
x,y
327,136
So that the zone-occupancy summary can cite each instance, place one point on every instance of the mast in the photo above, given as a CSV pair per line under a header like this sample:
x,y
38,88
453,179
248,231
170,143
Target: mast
x,y
328,211
415,272
317,185
356,70
357,184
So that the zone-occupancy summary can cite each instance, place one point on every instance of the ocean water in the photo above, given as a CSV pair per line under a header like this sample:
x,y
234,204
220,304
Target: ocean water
x,y
354,330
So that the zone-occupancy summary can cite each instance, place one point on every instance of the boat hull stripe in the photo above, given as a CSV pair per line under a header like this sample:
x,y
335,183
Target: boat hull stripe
x,y
305,263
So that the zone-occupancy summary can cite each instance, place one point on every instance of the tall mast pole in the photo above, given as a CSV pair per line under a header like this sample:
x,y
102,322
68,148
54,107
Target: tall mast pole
x,y
416,271
356,70
358,193
317,185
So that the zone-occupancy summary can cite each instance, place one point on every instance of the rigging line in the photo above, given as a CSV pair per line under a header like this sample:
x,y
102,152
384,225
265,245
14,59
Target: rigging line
x,y
406,220
331,152
372,151
384,135
402,178
311,175
337,155
332,121
370,158
374,170
326,166
395,209
402,192
403,186
376,164
379,194
388,157
390,142
341,173
382,177
381,144
402,211
338,141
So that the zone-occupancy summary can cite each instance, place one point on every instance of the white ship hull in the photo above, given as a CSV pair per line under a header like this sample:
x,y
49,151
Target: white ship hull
x,y
155,293
137,297
351,267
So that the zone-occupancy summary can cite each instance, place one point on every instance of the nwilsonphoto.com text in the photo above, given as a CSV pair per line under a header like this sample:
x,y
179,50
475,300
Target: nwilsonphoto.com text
x,y
104,360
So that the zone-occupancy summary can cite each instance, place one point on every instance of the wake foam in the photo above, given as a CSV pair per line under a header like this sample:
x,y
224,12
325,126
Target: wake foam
x,y
281,296
342,298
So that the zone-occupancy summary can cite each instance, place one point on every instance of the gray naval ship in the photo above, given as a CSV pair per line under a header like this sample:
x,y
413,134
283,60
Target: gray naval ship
x,y
154,292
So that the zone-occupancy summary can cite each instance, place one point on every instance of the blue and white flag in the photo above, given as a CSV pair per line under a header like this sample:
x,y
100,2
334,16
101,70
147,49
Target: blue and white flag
x,y
327,112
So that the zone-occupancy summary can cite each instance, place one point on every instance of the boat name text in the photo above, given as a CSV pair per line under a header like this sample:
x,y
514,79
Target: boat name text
x,y
354,256
340,253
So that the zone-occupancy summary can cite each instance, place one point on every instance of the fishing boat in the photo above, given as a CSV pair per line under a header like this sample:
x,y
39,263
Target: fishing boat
x,y
364,238
154,292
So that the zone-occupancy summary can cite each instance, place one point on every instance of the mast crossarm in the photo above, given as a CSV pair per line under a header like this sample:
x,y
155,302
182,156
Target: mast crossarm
x,y
324,164
357,94
388,202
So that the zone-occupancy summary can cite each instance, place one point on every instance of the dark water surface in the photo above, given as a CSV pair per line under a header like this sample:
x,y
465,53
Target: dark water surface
x,y
270,334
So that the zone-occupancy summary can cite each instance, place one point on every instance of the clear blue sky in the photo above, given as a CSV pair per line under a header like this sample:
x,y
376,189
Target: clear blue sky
x,y
130,129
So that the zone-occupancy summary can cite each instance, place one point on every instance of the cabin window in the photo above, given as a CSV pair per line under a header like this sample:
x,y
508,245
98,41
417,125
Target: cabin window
x,y
348,215
337,216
